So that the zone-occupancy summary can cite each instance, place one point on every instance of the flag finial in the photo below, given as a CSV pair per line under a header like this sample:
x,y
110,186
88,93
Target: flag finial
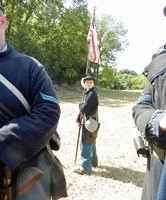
x,y
94,7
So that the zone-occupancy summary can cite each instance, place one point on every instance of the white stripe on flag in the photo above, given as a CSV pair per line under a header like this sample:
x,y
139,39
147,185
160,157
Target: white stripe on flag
x,y
94,54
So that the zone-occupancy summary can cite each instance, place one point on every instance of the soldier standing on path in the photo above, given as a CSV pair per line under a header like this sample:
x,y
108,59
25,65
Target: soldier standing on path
x,y
89,112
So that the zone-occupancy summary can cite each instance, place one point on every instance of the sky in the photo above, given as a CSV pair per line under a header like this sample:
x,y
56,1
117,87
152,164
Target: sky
x,y
146,25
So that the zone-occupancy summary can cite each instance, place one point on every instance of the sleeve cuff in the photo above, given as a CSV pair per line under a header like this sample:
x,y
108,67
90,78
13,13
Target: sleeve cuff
x,y
156,128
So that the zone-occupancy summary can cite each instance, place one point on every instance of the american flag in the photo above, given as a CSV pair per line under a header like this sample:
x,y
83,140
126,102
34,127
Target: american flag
x,y
94,54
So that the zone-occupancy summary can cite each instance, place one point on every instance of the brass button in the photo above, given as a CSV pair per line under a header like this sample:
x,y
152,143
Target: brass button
x,y
153,84
146,73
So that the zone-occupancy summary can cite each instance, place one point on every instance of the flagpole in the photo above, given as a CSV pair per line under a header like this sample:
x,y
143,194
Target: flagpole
x,y
79,130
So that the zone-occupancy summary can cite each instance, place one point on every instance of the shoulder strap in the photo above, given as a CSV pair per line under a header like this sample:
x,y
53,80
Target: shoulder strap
x,y
16,92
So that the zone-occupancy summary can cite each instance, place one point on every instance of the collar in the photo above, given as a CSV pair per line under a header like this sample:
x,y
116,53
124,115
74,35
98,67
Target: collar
x,y
89,90
4,48
156,67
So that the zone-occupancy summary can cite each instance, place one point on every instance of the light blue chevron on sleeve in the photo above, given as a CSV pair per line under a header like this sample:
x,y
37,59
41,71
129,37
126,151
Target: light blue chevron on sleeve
x,y
144,97
49,98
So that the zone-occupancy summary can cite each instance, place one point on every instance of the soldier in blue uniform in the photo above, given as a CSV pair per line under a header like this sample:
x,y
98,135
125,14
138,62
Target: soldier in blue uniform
x,y
88,110
27,91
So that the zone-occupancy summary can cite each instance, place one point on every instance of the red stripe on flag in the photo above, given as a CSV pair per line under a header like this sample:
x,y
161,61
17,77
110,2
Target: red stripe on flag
x,y
94,54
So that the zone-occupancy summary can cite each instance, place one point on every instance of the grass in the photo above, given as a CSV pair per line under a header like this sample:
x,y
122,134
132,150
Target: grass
x,y
120,172
107,97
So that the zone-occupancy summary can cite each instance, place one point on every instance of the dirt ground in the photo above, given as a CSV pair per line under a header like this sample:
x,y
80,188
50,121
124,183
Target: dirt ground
x,y
120,172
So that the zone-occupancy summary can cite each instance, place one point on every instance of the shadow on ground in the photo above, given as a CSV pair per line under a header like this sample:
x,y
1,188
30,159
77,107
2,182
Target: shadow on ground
x,y
124,175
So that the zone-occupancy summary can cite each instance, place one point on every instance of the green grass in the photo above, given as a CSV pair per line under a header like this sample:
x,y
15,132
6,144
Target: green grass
x,y
107,97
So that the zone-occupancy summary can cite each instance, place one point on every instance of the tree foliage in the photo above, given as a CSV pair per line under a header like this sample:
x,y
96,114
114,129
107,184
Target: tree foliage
x,y
125,79
138,82
127,71
70,49
111,36
52,34
107,77
29,22
57,37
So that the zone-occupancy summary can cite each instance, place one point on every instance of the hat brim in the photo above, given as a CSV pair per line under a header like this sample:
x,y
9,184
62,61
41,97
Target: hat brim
x,y
88,79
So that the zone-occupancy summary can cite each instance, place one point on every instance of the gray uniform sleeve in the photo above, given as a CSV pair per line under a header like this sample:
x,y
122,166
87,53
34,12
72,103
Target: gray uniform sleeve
x,y
143,110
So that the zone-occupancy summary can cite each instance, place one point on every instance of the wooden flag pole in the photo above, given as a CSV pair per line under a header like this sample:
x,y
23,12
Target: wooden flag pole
x,y
79,130
87,67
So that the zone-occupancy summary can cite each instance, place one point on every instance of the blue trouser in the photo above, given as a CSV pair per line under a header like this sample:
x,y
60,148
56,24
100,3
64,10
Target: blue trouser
x,y
88,157
40,190
161,195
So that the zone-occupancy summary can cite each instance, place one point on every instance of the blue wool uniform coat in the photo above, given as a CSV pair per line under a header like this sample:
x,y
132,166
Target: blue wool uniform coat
x,y
23,140
88,108
147,113
90,104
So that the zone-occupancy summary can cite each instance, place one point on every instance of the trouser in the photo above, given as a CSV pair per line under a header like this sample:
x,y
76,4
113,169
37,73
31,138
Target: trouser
x,y
52,183
161,195
88,157
152,178
41,190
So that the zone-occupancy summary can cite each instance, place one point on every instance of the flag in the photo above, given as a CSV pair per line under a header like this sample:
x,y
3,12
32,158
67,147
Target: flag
x,y
94,54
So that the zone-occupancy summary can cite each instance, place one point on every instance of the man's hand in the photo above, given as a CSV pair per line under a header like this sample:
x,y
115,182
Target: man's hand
x,y
162,123
78,123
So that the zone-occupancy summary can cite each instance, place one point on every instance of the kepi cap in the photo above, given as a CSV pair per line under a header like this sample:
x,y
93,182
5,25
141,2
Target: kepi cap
x,y
88,77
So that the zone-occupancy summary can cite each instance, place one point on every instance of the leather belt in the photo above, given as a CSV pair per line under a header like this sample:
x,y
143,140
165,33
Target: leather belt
x,y
157,152
93,116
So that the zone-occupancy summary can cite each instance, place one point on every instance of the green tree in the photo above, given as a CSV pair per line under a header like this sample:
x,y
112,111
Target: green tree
x,y
107,77
69,46
52,34
111,35
127,71
29,23
125,81
138,82
56,36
